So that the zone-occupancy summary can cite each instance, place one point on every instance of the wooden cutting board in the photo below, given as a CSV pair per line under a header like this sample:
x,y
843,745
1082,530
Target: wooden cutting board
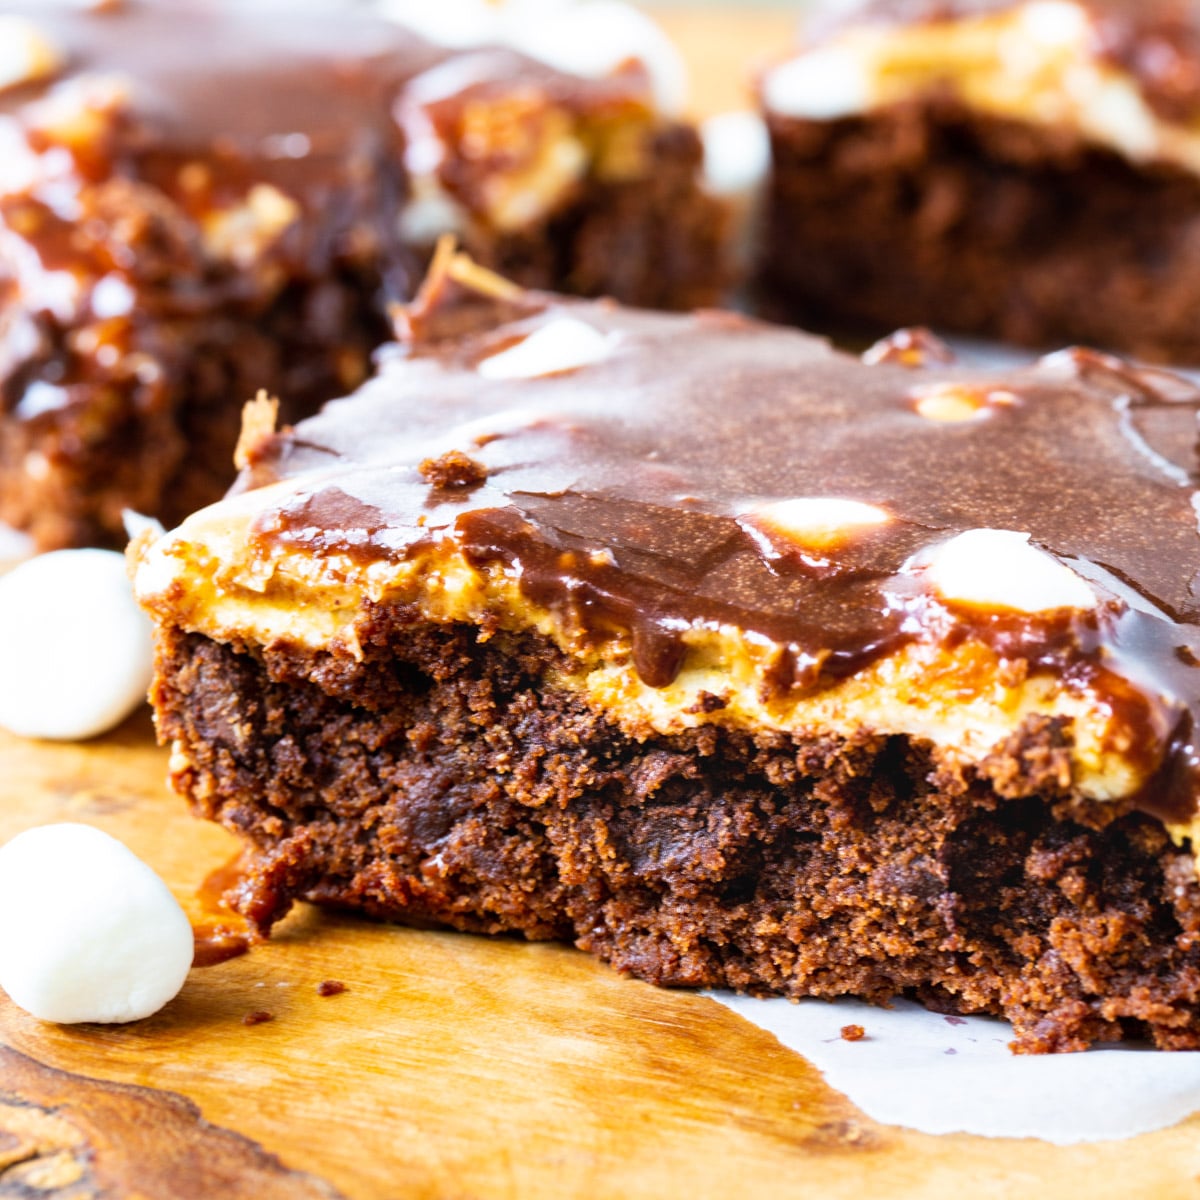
x,y
453,1066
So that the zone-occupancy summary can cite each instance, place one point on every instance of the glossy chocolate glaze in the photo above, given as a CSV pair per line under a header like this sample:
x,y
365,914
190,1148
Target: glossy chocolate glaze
x,y
214,70
1157,41
618,494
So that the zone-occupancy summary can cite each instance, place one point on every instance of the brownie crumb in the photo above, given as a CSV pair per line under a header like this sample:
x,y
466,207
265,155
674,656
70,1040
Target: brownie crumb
x,y
453,470
258,1017
853,1033
707,702
260,417
331,987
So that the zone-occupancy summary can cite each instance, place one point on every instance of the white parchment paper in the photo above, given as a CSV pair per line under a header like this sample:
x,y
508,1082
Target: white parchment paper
x,y
943,1074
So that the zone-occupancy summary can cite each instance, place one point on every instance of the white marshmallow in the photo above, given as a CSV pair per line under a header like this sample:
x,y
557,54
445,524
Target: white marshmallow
x,y
1054,23
818,522
737,153
952,403
75,650
822,85
563,344
595,37
1113,111
26,54
15,547
88,932
999,569
584,37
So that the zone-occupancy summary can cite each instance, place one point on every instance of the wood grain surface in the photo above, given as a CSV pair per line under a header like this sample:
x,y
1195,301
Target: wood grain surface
x,y
453,1066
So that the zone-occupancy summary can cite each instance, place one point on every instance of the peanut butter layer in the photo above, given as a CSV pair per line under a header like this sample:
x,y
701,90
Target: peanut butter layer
x,y
724,521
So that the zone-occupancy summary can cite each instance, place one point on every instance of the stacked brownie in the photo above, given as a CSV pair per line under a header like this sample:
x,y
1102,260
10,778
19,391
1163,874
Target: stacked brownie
x,y
730,658
201,199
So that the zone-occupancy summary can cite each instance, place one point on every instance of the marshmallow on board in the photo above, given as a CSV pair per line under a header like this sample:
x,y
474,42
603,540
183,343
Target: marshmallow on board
x,y
88,932
76,652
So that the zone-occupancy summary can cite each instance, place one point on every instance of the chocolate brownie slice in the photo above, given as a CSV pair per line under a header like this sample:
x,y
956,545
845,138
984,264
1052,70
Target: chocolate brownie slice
x,y
728,657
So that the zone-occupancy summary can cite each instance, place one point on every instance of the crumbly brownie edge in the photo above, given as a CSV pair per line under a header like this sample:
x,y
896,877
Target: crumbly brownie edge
x,y
443,780
926,213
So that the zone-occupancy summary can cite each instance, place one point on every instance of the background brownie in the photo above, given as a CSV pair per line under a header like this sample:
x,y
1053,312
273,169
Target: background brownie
x,y
202,199
1024,170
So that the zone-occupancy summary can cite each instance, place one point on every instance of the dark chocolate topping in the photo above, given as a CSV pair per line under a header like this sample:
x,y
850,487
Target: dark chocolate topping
x,y
622,493
270,87
1157,41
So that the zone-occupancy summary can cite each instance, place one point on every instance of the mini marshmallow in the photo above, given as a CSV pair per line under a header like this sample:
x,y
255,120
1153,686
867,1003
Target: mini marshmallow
x,y
737,153
595,37
26,54
999,569
563,344
1054,23
88,932
949,403
818,522
584,37
1114,111
76,652
822,85
15,547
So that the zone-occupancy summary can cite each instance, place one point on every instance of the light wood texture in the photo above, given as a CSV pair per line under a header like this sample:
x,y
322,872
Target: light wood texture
x,y
723,48
453,1066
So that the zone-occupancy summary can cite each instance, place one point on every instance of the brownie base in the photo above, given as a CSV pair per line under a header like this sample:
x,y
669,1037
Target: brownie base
x,y
926,214
441,780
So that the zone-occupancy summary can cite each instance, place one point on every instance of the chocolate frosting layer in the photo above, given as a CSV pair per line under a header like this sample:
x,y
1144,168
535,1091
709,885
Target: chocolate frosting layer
x,y
622,494
1156,41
